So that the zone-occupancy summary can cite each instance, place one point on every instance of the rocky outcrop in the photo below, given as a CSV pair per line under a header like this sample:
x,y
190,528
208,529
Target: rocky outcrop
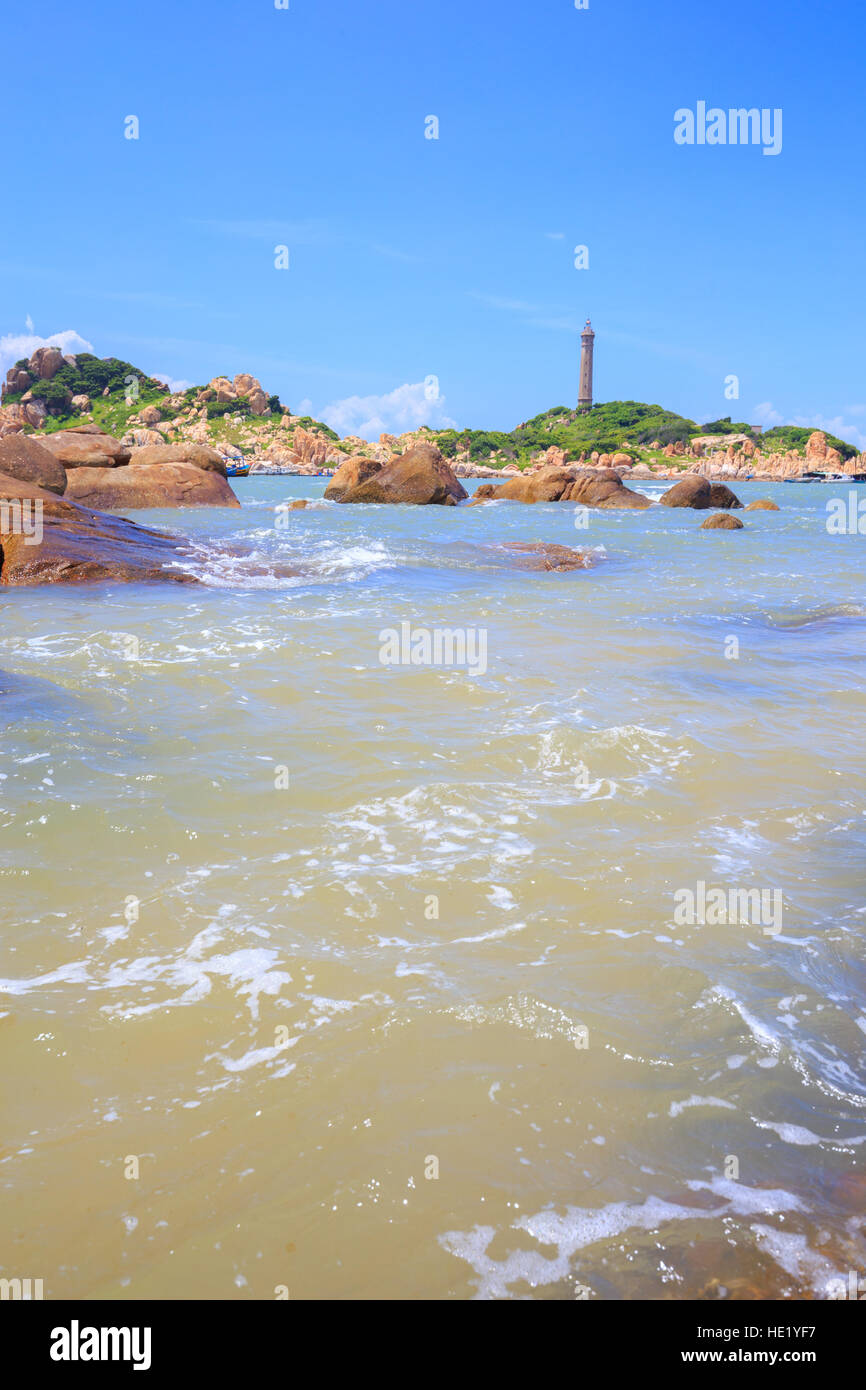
x,y
24,458
149,485
352,473
690,491
86,447
79,545
420,477
721,521
762,504
315,449
198,454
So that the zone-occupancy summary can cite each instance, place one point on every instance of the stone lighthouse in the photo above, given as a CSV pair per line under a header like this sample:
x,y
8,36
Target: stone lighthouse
x,y
587,337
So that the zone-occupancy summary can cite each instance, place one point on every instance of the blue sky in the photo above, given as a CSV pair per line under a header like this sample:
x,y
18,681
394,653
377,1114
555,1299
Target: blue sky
x,y
453,258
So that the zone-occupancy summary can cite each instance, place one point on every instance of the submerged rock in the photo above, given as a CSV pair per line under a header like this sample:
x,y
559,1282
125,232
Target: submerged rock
x,y
77,545
722,521
420,477
142,485
762,504
537,555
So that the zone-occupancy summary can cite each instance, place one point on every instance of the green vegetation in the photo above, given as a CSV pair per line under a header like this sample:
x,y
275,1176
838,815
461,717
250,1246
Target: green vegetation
x,y
216,409
725,427
308,423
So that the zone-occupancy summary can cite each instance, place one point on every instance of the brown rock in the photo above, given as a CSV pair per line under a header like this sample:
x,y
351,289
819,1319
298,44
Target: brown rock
x,y
46,362
535,555
420,477
721,496
547,485
18,380
80,404
223,388
484,493
762,504
354,471
244,384
816,446
78,544
144,485
602,487
298,505
24,458
199,454
150,415
259,403
690,491
722,521
87,447
35,413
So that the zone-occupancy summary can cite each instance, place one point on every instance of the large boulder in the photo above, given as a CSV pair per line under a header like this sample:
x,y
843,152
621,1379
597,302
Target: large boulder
x,y
18,380
352,473
420,477
547,485
762,504
721,496
86,448
722,521
199,454
77,544
603,487
146,485
690,491
46,362
24,458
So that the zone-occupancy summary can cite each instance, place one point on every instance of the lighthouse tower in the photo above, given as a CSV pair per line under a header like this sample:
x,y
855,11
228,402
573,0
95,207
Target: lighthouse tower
x,y
587,338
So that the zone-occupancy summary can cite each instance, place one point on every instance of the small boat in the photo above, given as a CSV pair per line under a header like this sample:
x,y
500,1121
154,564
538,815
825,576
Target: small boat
x,y
236,470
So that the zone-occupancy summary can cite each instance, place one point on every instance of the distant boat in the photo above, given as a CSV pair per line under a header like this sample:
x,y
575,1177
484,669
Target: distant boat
x,y
237,470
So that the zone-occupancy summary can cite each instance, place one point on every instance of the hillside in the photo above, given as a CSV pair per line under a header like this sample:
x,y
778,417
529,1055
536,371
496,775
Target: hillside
x,y
50,392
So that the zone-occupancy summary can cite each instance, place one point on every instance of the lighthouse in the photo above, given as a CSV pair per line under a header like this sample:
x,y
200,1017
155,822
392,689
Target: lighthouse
x,y
587,337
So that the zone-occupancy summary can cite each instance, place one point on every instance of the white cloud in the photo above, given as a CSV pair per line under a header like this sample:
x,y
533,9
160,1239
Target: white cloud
x,y
555,236
405,408
173,383
14,346
764,414
29,324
